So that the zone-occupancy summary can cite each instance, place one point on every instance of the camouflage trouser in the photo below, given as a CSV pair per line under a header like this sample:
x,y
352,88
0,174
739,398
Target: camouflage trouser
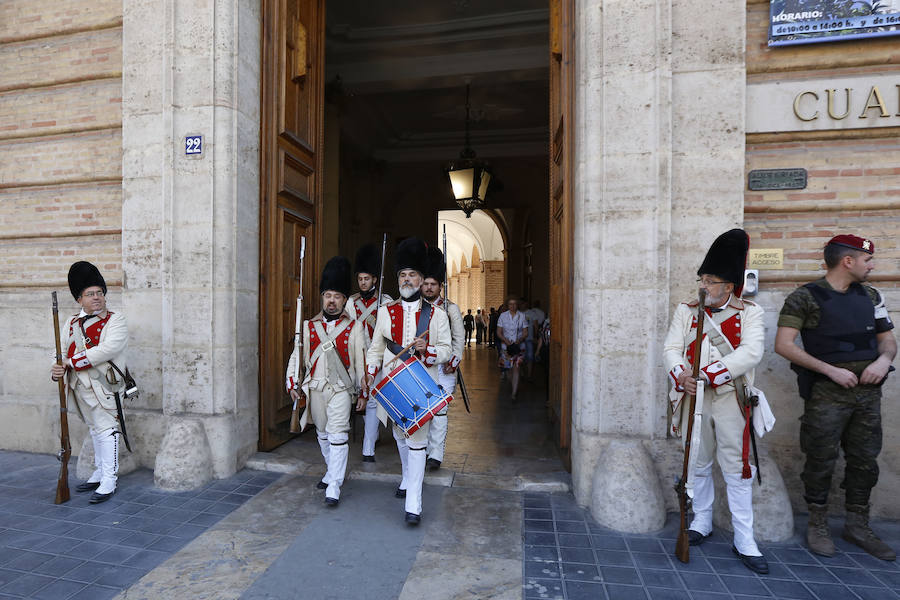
x,y
852,419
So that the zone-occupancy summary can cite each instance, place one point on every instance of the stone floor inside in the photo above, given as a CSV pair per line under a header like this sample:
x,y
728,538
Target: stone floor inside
x,y
498,523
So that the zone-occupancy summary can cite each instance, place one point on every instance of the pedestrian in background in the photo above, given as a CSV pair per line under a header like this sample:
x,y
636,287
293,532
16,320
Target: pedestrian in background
x,y
479,327
492,327
468,326
512,327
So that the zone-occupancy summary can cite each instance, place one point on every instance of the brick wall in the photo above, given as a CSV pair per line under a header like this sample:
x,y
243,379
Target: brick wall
x,y
60,139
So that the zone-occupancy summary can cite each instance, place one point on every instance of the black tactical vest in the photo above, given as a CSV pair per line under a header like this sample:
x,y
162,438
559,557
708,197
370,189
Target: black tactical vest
x,y
846,330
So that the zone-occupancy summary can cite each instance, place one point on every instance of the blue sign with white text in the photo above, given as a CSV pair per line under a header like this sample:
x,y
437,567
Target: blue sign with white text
x,y
193,144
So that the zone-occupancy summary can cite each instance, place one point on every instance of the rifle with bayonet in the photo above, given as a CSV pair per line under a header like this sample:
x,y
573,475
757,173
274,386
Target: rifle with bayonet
x,y
459,376
65,451
682,546
298,342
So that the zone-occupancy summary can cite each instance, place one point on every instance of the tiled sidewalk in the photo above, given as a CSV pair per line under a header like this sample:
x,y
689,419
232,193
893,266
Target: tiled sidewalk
x,y
83,551
568,556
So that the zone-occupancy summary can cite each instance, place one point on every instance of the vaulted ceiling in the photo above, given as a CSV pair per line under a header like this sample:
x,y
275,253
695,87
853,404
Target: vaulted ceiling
x,y
399,71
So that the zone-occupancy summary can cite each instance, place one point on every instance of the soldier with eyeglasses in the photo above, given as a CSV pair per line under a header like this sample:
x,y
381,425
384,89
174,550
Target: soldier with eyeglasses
x,y
731,348
93,344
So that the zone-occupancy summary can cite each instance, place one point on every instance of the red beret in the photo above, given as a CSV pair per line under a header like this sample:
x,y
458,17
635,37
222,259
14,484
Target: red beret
x,y
855,242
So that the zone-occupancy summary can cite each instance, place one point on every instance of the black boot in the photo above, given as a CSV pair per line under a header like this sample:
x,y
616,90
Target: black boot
x,y
87,486
97,498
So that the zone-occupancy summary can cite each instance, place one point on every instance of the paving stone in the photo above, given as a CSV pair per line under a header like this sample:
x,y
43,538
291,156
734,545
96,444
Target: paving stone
x,y
869,593
96,592
788,589
661,578
608,542
625,592
651,561
626,575
812,574
667,594
546,526
825,591
28,561
614,558
541,570
703,582
750,585
580,572
26,585
538,513
644,545
574,540
550,589
6,576
59,590
855,577
58,566
583,590
577,555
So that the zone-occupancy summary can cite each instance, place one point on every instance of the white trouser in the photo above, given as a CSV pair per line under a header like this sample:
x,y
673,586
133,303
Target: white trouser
x,y
371,428
97,474
108,447
325,448
740,503
413,465
437,433
337,464
702,502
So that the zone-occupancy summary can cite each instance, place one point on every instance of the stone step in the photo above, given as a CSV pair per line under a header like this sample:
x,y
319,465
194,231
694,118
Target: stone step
x,y
554,481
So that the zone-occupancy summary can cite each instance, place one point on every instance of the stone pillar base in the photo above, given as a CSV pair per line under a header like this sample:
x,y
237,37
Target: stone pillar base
x,y
184,461
626,494
84,468
773,516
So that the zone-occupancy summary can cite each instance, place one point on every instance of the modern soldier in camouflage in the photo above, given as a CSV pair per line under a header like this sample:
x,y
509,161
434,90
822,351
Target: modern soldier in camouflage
x,y
847,352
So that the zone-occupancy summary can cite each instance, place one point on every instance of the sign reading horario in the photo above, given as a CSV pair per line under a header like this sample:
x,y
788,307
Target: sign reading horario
x,y
808,21
857,102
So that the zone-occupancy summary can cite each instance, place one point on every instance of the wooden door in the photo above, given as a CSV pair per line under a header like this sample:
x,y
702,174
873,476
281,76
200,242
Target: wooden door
x,y
561,251
291,140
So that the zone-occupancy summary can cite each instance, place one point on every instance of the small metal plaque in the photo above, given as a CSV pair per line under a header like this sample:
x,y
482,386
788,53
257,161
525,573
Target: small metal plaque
x,y
766,259
777,179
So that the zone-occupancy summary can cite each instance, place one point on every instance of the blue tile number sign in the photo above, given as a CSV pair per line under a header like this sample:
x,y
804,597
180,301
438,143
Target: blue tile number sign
x,y
193,145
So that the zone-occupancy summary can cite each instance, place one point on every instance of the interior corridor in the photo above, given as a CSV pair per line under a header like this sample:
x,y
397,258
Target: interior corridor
x,y
500,444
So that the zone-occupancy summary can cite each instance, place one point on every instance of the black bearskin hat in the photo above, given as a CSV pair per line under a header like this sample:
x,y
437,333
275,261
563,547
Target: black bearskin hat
x,y
727,258
368,260
412,253
83,275
436,268
336,276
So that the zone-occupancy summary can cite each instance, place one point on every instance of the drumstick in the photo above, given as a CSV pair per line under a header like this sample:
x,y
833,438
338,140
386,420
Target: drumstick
x,y
405,350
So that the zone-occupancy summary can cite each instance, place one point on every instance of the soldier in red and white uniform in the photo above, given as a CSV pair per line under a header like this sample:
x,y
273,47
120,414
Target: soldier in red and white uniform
x,y
333,355
431,291
396,328
362,306
92,341
732,347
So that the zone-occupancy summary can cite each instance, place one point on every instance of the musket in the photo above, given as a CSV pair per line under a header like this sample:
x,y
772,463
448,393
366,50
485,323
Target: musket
x,y
459,376
682,546
381,274
298,333
65,451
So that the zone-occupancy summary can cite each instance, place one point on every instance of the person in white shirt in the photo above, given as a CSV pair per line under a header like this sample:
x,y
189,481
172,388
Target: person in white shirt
x,y
512,329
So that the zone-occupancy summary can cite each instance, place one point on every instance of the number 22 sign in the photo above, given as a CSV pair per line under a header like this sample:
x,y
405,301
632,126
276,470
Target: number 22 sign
x,y
193,145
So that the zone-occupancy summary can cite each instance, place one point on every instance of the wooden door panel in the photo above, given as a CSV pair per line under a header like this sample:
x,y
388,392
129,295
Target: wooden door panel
x,y
291,116
561,226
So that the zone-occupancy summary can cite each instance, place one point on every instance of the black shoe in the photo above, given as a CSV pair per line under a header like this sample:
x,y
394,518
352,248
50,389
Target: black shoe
x,y
87,486
321,486
98,498
757,564
331,501
432,464
695,538
367,458
412,519
400,493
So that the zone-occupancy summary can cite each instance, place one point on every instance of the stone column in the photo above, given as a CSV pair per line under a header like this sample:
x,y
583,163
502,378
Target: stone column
x,y
659,173
191,228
